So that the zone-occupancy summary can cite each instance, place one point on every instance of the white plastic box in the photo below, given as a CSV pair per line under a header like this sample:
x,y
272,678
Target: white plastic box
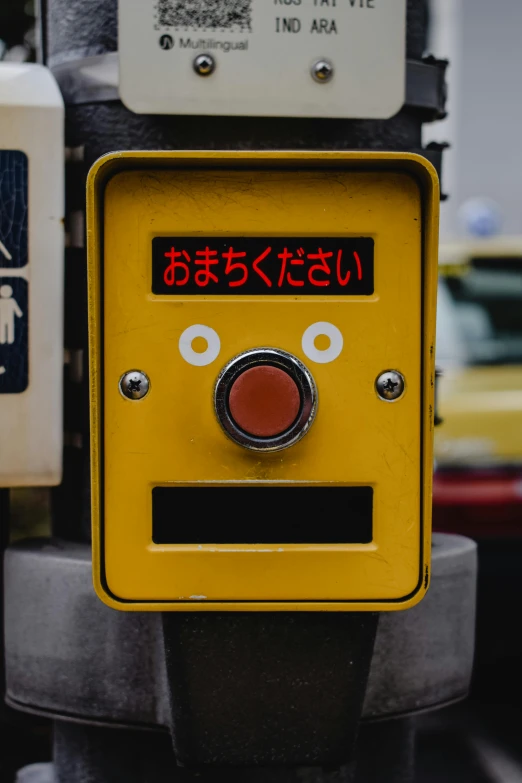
x,y
31,276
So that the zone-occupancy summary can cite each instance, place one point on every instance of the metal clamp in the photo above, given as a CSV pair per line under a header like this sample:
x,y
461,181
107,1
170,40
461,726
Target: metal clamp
x,y
96,80
426,88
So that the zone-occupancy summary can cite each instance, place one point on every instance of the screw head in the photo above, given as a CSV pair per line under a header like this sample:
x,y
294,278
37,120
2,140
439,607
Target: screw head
x,y
390,385
204,64
322,71
134,385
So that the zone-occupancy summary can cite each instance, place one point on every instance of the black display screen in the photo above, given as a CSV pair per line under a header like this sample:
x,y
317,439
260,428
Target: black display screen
x,y
255,515
261,265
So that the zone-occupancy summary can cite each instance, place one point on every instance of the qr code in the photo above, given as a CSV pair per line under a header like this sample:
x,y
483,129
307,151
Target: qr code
x,y
230,15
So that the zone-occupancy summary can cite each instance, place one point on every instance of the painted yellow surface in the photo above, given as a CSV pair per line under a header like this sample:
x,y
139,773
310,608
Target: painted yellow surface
x,y
172,436
481,409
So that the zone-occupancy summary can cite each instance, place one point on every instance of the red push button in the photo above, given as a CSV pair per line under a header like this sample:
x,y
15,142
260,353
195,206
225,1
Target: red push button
x,y
264,401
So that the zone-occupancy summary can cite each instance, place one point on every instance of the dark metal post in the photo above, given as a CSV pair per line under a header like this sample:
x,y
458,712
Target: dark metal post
x,y
386,752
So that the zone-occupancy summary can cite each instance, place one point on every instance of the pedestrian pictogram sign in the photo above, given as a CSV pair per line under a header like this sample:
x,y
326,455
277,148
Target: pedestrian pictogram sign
x,y
13,335
14,314
262,330
31,276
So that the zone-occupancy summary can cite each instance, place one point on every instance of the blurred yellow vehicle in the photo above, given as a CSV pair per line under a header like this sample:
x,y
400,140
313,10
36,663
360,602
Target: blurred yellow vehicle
x,y
478,447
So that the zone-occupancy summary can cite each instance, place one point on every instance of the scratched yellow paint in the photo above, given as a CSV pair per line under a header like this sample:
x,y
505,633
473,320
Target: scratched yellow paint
x,y
172,435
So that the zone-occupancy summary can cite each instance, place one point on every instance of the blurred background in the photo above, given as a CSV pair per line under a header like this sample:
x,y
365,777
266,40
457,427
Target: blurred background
x,y
478,454
478,451
17,30
478,479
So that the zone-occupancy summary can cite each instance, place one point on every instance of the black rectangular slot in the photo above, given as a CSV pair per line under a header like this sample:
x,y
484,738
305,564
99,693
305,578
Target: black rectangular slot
x,y
256,515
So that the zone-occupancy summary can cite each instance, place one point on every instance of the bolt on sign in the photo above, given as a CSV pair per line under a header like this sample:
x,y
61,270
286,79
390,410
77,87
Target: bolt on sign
x,y
31,276
279,58
262,373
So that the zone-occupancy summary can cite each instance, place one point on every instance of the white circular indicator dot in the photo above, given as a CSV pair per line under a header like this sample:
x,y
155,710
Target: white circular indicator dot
x,y
322,329
193,354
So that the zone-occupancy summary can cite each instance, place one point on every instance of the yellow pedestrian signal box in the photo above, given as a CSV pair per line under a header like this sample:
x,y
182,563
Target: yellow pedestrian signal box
x,y
262,373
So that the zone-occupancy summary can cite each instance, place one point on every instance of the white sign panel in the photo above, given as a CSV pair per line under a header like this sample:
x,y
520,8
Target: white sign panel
x,y
31,276
281,58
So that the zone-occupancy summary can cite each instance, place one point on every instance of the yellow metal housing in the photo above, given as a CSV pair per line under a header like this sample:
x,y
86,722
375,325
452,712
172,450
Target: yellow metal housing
x,y
172,437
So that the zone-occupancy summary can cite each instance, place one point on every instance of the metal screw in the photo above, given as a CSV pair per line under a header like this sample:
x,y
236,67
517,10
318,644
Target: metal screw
x,y
134,385
390,385
322,71
204,64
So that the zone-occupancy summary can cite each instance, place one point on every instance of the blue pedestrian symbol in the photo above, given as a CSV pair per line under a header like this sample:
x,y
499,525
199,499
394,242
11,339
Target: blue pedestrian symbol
x,y
9,310
14,311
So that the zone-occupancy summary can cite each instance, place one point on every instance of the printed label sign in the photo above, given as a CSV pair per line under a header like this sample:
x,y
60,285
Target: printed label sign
x,y
337,266
275,58
14,312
